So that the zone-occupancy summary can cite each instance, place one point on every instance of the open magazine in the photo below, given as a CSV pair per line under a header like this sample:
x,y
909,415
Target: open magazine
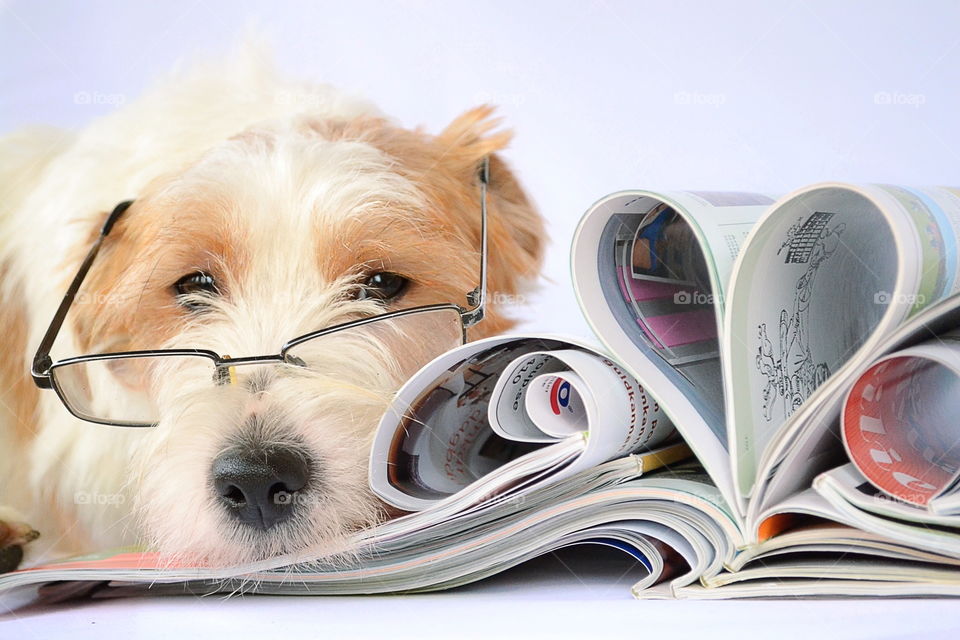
x,y
769,415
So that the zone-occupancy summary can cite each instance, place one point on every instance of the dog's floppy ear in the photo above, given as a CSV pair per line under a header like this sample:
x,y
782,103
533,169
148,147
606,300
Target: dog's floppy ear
x,y
515,229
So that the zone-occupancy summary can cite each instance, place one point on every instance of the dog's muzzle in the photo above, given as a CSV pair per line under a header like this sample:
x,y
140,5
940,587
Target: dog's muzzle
x,y
259,487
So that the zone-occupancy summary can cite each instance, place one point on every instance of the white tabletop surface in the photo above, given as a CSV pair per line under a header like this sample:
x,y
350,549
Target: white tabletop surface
x,y
557,596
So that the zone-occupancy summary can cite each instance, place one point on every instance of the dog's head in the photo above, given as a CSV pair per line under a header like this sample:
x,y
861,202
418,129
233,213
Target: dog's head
x,y
288,228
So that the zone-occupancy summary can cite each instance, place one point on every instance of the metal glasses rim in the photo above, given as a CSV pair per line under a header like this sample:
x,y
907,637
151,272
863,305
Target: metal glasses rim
x,y
218,361
221,360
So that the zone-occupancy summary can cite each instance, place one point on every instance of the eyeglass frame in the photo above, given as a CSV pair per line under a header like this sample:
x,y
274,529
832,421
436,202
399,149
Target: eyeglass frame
x,y
43,366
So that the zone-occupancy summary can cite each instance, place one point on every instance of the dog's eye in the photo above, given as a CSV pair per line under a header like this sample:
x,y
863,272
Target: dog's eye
x,y
198,283
383,286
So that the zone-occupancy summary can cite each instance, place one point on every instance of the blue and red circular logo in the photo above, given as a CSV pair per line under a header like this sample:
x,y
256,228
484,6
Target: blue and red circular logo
x,y
559,395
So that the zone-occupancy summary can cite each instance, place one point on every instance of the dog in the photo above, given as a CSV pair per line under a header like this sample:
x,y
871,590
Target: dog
x,y
262,209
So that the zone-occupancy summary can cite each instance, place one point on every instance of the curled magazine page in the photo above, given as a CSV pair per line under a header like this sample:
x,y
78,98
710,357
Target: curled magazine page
x,y
847,483
899,423
549,396
815,534
650,270
861,505
506,413
867,571
835,539
811,443
830,271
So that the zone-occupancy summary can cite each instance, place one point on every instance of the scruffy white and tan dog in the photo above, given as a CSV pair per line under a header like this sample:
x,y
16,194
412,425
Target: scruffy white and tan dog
x,y
262,210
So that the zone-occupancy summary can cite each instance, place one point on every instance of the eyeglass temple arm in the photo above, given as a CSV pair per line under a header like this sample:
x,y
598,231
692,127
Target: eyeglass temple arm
x,y
478,297
40,371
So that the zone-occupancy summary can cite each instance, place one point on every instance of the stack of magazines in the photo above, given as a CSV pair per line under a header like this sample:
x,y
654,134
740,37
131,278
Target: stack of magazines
x,y
771,413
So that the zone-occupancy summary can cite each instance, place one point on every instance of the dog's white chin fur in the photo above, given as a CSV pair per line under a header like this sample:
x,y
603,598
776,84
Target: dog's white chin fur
x,y
269,190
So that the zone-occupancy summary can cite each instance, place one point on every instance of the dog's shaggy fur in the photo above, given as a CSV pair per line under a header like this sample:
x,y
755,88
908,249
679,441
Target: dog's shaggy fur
x,y
288,195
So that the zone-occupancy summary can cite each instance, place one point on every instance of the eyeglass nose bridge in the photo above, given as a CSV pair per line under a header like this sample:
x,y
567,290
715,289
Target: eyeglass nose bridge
x,y
226,366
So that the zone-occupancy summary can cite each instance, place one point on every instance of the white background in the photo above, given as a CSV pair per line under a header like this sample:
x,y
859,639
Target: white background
x,y
603,96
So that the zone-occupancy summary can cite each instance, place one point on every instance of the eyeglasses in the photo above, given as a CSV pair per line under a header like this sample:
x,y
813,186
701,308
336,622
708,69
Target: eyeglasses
x,y
113,388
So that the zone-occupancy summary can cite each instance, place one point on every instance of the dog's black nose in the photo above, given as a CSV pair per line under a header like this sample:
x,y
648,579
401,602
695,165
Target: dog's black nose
x,y
261,487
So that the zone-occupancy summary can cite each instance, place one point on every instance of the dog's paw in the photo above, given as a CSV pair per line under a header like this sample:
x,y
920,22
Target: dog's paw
x,y
13,536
